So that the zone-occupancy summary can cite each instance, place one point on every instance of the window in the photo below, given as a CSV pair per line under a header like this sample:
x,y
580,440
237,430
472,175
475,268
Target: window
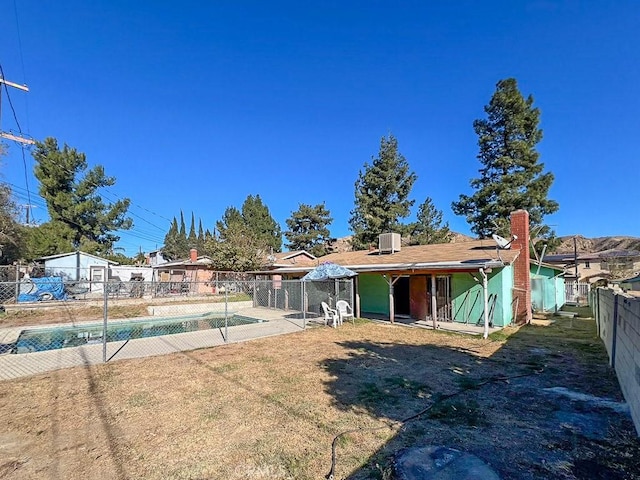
x,y
587,264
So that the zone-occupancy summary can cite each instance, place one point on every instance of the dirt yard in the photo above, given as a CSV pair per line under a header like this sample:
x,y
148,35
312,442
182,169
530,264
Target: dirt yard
x,y
270,408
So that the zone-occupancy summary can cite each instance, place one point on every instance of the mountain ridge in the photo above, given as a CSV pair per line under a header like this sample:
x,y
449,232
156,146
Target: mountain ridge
x,y
597,244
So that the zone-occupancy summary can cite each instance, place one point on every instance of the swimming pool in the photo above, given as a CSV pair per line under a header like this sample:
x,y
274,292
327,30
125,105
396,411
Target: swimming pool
x,y
41,339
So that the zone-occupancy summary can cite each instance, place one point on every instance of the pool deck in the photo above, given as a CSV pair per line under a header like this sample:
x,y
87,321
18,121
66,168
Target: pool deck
x,y
275,322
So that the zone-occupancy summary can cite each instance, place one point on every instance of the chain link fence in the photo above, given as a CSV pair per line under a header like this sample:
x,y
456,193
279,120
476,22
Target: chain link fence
x,y
56,323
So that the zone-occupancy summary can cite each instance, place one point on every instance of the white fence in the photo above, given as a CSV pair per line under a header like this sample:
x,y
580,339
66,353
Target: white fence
x,y
618,319
576,292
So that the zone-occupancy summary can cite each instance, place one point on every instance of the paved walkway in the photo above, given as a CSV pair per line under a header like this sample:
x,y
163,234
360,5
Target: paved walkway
x,y
275,322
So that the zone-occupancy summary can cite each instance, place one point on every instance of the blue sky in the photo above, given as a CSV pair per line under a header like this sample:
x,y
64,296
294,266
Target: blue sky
x,y
193,106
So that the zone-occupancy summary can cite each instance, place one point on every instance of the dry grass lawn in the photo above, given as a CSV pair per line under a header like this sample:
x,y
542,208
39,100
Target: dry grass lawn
x,y
270,408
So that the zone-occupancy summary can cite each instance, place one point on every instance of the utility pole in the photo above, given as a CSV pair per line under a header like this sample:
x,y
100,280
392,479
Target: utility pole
x,y
10,136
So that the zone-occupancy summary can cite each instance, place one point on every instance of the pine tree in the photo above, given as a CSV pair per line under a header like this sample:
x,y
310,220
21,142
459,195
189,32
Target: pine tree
x,y
429,228
266,230
308,229
75,207
381,195
12,234
236,249
231,217
511,175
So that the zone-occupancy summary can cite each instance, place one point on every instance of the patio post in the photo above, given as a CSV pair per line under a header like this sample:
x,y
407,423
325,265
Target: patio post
x,y
434,303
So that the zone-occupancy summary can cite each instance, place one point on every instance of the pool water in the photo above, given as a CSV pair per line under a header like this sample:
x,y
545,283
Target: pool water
x,y
41,339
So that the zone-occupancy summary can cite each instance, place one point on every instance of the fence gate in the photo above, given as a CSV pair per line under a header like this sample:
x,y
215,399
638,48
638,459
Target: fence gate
x,y
576,292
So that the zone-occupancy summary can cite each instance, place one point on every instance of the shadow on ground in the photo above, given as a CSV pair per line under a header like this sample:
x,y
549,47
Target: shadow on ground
x,y
500,407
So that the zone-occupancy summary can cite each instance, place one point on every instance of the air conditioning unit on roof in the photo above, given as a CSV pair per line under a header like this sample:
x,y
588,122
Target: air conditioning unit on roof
x,y
389,242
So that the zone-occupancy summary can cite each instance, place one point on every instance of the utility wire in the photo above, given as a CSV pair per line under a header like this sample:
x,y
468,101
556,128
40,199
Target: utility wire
x,y
15,117
24,76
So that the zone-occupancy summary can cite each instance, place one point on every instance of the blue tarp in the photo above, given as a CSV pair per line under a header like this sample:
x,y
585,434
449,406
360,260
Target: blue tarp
x,y
326,271
44,288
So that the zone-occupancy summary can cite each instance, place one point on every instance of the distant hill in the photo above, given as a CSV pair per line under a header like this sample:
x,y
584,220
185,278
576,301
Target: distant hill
x,y
598,244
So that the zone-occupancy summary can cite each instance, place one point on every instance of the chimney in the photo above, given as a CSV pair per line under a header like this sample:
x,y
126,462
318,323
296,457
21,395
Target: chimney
x,y
521,273
193,255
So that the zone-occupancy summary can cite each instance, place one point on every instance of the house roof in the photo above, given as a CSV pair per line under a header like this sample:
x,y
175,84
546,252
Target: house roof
x,y
202,261
69,254
635,279
465,256
557,268
284,259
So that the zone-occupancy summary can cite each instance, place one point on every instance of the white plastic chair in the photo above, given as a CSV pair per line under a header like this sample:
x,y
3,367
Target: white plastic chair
x,y
344,311
330,315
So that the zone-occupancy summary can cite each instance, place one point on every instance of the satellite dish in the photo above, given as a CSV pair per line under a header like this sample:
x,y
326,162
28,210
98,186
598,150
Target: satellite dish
x,y
503,242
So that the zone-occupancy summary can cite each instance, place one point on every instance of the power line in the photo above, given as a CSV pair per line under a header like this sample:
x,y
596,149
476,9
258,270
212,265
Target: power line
x,y
24,76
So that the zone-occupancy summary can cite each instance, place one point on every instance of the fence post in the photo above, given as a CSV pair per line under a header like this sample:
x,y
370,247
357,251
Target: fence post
x,y
104,321
17,280
614,334
598,311
304,310
226,320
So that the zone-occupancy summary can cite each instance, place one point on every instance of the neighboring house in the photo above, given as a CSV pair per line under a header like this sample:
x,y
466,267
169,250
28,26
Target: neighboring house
x,y
191,275
77,266
127,273
288,259
156,258
454,282
591,267
631,284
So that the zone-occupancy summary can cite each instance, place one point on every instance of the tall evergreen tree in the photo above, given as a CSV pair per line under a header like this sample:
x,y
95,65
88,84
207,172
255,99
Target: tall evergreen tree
x,y
266,230
381,195
308,229
182,242
236,249
429,228
231,217
12,234
200,239
76,209
511,176
171,249
192,239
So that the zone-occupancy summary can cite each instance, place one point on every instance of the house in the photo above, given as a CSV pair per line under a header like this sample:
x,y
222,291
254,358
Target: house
x,y
287,259
631,284
191,275
156,258
77,266
591,267
467,282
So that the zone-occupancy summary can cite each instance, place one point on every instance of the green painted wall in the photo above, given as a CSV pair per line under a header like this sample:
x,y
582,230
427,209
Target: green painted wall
x,y
468,308
374,294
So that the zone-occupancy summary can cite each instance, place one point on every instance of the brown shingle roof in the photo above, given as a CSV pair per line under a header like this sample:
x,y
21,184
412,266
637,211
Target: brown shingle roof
x,y
472,251
447,256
